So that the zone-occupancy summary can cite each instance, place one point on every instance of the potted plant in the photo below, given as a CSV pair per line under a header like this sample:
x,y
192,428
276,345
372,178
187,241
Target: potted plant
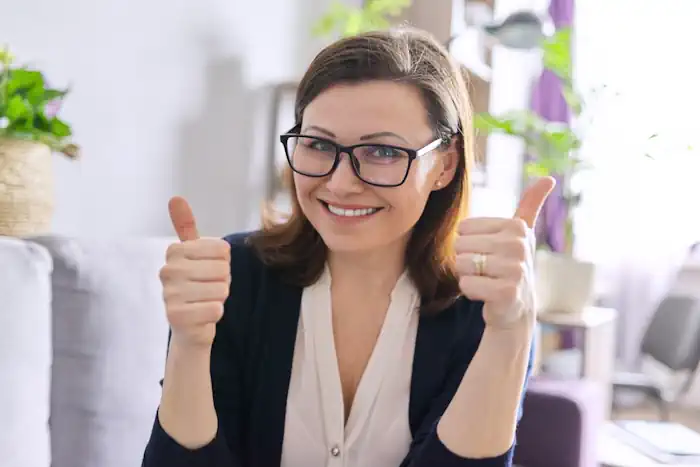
x,y
30,130
565,283
348,20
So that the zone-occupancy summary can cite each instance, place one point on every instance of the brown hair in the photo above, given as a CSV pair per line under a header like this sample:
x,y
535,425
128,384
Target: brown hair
x,y
404,55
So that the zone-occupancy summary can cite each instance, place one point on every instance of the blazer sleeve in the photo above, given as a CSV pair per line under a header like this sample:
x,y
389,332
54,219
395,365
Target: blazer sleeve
x,y
427,449
226,375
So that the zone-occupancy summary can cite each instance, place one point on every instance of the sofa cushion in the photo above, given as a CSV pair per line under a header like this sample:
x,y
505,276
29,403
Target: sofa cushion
x,y
110,337
25,354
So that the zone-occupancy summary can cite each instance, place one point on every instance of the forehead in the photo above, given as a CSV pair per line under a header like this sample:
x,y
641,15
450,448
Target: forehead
x,y
352,110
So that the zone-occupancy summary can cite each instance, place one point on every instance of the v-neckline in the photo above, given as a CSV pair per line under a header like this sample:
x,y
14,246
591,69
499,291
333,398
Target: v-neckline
x,y
387,349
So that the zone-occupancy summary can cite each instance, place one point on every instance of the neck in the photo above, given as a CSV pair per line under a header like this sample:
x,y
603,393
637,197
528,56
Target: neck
x,y
373,272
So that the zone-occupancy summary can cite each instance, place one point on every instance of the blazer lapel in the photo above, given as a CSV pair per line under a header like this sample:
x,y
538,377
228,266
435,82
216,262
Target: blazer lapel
x,y
279,303
430,362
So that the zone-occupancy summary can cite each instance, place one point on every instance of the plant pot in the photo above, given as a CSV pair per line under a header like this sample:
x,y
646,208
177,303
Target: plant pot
x,y
563,283
26,188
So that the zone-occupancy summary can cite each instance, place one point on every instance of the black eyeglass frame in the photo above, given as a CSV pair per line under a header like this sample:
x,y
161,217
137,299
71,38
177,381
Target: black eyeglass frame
x,y
413,154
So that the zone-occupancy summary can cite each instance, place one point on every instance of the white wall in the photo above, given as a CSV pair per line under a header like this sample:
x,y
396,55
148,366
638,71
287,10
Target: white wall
x,y
511,88
167,99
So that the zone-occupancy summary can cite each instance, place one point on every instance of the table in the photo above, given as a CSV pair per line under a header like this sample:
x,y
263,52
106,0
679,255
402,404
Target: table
x,y
597,325
614,452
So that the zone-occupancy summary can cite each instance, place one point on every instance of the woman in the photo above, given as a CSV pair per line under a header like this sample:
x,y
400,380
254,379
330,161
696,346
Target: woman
x,y
371,328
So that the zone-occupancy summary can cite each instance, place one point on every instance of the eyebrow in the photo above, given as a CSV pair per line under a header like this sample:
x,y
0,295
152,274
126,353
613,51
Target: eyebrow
x,y
362,138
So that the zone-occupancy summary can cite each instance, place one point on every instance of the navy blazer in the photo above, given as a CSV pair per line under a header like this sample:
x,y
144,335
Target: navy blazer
x,y
251,364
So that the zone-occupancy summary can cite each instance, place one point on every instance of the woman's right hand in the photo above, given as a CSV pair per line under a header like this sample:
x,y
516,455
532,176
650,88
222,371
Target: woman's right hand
x,y
196,280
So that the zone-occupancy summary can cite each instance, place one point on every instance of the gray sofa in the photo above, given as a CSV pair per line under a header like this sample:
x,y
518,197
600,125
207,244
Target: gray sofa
x,y
82,349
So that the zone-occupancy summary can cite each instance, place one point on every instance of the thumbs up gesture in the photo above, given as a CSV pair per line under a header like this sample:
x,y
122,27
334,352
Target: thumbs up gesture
x,y
495,260
196,279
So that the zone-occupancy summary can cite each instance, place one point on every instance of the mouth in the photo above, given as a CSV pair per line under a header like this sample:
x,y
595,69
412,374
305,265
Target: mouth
x,y
350,212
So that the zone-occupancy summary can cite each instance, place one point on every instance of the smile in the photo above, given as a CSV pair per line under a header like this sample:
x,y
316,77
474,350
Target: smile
x,y
350,212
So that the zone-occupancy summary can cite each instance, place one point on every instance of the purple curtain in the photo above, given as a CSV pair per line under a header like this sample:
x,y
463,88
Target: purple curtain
x,y
548,102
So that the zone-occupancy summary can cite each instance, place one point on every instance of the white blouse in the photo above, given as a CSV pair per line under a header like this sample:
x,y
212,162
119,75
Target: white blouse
x,y
377,432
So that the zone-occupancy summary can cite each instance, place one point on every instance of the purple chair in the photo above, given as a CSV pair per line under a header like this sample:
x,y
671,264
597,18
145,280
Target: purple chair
x,y
559,424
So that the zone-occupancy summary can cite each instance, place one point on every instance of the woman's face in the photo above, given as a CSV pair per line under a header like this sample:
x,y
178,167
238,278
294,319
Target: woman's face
x,y
349,214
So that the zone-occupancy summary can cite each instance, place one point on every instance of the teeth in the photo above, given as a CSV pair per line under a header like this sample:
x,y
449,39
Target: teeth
x,y
351,212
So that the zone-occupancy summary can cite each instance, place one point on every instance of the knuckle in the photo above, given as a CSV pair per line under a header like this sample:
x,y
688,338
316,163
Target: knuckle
x,y
213,311
191,248
522,250
174,250
225,288
170,295
519,226
223,291
518,247
223,270
171,272
175,314
223,248
164,273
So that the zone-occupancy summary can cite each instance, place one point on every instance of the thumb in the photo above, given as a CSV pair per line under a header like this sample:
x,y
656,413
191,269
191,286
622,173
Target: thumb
x,y
533,199
183,219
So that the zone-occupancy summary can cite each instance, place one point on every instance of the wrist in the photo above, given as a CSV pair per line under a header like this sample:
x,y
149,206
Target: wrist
x,y
507,343
181,345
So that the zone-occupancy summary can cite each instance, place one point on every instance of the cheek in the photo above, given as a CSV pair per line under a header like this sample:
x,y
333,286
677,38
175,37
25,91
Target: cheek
x,y
422,177
407,203
424,173
305,187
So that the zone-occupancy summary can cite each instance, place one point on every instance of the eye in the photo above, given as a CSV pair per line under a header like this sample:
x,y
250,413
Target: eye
x,y
384,152
318,145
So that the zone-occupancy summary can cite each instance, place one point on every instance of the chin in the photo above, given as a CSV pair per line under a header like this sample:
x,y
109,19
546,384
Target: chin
x,y
347,244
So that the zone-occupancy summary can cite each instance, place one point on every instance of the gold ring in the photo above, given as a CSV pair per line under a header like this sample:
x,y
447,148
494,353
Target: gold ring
x,y
479,264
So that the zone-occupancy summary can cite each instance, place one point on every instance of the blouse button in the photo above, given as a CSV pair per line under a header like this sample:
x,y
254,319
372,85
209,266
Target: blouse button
x,y
335,451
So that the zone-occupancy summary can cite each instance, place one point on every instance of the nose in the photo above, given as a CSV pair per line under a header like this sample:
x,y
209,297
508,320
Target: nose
x,y
343,180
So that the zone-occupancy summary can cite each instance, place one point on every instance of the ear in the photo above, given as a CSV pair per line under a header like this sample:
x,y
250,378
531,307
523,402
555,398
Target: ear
x,y
447,165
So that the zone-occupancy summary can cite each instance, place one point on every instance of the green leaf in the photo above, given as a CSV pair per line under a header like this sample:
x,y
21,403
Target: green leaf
x,y
573,100
353,25
59,128
533,169
22,80
349,21
387,7
18,109
556,54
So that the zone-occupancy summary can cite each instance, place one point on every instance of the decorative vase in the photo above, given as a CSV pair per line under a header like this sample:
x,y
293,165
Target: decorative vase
x,y
26,188
564,284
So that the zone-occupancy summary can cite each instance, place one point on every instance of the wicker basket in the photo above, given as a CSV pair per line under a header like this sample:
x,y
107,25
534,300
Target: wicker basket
x,y
26,188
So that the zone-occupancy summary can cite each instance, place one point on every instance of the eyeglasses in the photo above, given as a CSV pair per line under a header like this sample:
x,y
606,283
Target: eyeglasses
x,y
382,165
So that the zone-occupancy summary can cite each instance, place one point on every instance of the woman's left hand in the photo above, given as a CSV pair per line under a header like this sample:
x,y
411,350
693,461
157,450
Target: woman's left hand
x,y
495,260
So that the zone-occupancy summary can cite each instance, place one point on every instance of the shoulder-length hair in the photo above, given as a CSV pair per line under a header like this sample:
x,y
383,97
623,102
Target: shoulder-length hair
x,y
294,248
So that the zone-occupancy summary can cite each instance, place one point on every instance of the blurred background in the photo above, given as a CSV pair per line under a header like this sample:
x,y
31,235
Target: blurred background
x,y
108,109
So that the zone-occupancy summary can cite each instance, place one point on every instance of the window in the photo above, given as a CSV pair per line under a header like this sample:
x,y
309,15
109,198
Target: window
x,y
636,62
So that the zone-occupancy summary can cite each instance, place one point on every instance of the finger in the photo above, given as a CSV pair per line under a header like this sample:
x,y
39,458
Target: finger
x,y
195,314
204,248
533,199
487,289
192,292
482,225
183,219
197,271
495,267
501,244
